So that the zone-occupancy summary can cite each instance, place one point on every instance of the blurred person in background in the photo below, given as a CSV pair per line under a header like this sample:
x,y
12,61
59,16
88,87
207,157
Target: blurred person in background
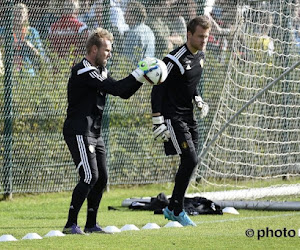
x,y
139,40
1,44
67,35
222,17
296,25
1,64
117,9
84,11
180,12
100,15
28,47
42,13
187,9
157,21
94,16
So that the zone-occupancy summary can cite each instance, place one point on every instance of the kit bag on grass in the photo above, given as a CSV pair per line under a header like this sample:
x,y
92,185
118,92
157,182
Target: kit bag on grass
x,y
193,206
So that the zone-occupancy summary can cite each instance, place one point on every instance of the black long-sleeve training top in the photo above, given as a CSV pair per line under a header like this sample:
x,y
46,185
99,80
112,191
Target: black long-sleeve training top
x,y
87,89
175,95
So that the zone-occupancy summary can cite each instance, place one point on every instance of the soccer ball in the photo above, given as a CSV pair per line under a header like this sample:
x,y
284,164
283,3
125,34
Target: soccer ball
x,y
157,70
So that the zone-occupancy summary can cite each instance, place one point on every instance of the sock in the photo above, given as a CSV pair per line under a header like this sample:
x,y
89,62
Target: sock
x,y
176,206
93,203
91,219
72,217
177,211
79,194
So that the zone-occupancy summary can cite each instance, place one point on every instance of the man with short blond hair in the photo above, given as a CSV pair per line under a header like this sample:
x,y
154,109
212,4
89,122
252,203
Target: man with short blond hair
x,y
88,86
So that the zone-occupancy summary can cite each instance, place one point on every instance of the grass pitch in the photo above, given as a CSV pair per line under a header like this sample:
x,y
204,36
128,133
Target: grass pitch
x,y
41,213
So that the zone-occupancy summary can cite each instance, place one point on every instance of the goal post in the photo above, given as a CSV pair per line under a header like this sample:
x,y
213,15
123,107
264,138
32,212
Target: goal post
x,y
252,148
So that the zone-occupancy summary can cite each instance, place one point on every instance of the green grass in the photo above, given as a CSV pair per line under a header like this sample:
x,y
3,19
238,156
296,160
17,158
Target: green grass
x,y
41,213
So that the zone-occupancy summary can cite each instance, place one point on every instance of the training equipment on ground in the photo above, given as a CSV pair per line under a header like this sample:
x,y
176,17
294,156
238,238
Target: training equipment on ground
x,y
261,205
202,106
32,236
112,229
230,210
173,224
7,237
151,226
160,129
54,233
129,227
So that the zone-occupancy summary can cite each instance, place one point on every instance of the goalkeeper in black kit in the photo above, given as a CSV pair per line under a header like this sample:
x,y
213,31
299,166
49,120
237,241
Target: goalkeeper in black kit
x,y
88,86
172,111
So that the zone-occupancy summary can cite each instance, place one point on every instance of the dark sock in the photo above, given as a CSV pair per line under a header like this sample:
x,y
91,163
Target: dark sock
x,y
175,206
72,217
177,211
91,218
79,194
93,202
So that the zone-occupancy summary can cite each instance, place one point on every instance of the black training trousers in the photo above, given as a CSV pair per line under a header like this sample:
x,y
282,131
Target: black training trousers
x,y
89,156
183,141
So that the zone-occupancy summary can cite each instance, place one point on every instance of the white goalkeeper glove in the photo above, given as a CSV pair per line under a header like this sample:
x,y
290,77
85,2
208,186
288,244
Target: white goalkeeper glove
x,y
160,129
144,66
202,106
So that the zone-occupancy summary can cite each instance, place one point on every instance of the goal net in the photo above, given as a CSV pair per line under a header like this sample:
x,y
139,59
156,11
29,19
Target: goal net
x,y
257,154
40,40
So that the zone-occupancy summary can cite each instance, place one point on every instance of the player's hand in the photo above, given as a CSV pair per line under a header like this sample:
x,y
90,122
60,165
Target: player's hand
x,y
202,106
144,66
160,130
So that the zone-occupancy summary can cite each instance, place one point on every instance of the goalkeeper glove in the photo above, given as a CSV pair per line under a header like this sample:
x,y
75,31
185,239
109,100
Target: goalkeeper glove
x,y
202,106
160,129
144,66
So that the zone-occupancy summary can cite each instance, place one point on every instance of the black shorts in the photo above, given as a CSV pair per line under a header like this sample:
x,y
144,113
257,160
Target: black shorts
x,y
184,135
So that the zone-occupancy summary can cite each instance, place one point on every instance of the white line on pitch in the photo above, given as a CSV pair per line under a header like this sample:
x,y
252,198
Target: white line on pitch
x,y
248,218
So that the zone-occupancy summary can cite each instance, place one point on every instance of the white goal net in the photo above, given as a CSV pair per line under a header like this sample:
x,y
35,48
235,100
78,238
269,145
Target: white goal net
x,y
258,154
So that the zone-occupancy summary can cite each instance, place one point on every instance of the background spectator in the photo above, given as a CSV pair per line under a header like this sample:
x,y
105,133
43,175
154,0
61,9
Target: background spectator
x,y
187,9
139,40
99,15
42,13
67,36
1,44
177,25
157,11
297,28
117,18
28,48
1,64
85,10
94,17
